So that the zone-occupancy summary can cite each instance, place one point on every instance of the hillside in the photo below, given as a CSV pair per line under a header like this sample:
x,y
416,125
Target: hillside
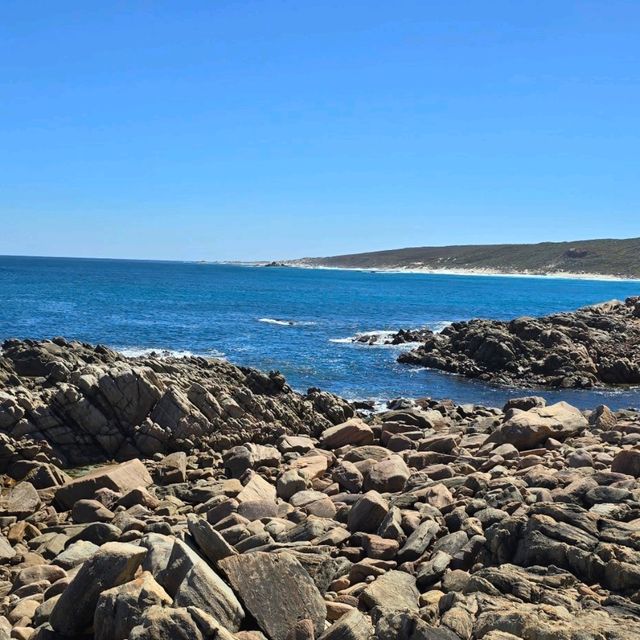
x,y
619,258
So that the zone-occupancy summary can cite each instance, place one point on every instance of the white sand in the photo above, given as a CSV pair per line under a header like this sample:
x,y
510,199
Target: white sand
x,y
556,275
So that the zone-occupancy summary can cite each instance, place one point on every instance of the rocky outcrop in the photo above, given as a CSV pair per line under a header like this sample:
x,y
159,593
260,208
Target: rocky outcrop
x,y
428,521
591,347
88,403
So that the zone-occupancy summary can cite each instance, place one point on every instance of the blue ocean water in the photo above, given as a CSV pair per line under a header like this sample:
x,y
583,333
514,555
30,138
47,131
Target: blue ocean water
x,y
294,320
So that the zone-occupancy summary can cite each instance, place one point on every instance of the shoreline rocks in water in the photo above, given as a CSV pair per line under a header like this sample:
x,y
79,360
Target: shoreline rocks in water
x,y
429,520
591,347
92,404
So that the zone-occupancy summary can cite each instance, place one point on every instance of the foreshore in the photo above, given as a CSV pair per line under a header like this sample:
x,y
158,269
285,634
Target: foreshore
x,y
242,510
557,275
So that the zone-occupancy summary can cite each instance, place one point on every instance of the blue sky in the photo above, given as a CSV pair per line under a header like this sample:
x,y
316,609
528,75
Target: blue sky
x,y
272,129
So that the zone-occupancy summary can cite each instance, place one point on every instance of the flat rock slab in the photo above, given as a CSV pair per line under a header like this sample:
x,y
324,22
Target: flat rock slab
x,y
21,501
119,477
277,591
352,432
192,582
351,626
257,489
393,591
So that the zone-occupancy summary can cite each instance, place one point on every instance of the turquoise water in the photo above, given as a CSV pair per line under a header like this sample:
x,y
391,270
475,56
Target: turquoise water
x,y
294,320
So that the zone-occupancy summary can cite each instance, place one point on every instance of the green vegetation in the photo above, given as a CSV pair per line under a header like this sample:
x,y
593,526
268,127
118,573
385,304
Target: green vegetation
x,y
598,257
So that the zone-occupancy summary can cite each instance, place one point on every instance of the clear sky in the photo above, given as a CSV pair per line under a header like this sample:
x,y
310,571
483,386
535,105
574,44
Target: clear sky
x,y
272,129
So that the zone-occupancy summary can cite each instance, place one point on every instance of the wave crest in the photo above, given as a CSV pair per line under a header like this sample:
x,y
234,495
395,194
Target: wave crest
x,y
287,323
145,352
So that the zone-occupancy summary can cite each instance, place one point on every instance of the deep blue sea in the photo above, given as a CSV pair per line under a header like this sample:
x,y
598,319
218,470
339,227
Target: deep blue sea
x,y
243,313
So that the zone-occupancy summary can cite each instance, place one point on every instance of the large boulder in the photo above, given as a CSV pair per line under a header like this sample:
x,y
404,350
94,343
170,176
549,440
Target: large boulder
x,y
184,623
393,591
353,625
121,608
190,581
113,564
367,513
277,591
388,476
21,501
352,432
529,429
119,477
627,461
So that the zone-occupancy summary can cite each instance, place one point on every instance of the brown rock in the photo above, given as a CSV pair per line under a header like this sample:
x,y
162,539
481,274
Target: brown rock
x,y
277,591
352,432
120,477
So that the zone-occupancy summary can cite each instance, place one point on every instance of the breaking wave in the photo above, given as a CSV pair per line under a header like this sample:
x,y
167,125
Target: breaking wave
x,y
287,323
143,352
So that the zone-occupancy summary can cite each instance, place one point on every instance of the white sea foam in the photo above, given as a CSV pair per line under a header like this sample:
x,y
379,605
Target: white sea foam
x,y
380,337
142,352
437,327
287,323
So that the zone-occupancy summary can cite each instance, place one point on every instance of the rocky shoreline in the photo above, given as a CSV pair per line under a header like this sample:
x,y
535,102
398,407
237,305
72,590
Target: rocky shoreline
x,y
290,517
591,347
92,404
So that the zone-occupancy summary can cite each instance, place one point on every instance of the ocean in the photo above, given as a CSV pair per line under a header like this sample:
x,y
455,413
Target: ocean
x,y
298,321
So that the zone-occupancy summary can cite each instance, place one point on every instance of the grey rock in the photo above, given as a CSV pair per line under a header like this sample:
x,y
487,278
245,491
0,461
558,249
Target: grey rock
x,y
277,591
114,564
209,540
189,580
351,626
392,591
121,608
368,512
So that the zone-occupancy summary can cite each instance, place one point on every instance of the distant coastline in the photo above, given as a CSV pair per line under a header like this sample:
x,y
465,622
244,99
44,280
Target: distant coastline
x,y
603,259
558,275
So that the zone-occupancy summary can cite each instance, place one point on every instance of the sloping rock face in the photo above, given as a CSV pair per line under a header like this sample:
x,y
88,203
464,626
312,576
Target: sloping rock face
x,y
520,523
91,403
594,346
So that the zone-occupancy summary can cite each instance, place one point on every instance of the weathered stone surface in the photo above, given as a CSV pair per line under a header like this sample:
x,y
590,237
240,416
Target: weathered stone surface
x,y
190,581
627,461
184,623
7,552
351,626
106,406
75,554
419,541
289,483
21,500
113,564
257,489
209,540
121,608
173,468
277,591
528,429
388,475
368,512
393,591
353,432
121,478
